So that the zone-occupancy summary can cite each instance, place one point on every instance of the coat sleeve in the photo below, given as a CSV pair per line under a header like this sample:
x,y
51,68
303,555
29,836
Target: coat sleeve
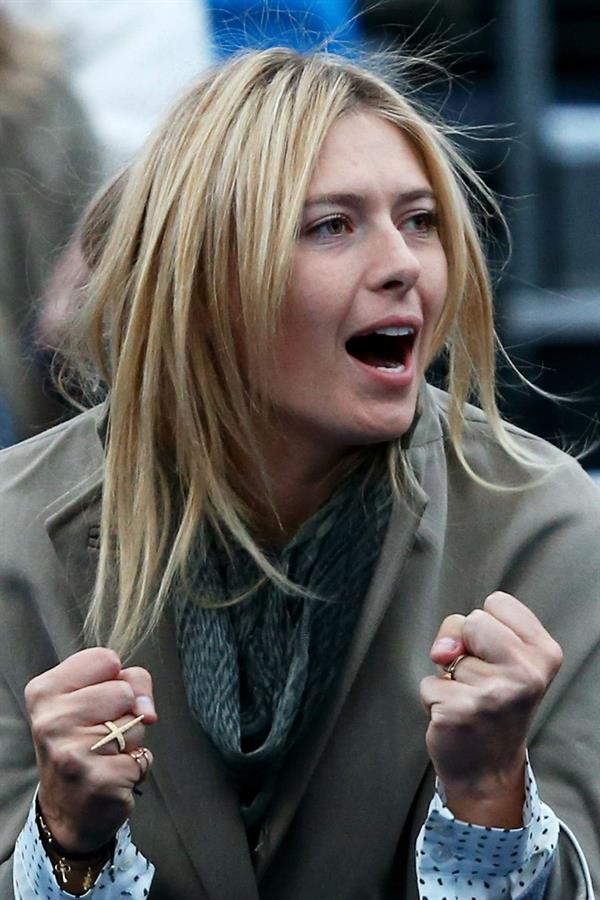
x,y
25,651
565,756
557,574
18,780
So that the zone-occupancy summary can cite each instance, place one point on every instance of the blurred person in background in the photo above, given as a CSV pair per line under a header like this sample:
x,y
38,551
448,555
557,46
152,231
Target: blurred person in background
x,y
48,170
273,517
127,61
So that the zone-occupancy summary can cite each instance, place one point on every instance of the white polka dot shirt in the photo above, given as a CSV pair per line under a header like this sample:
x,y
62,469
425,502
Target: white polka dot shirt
x,y
454,860
459,861
128,874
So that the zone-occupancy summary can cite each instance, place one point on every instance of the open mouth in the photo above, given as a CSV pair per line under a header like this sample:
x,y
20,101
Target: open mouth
x,y
386,348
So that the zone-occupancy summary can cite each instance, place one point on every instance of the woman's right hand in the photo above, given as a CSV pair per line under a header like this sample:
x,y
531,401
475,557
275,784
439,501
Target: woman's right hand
x,y
84,795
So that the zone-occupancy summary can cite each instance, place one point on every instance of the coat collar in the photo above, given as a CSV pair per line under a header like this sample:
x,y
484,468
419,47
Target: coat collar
x,y
73,525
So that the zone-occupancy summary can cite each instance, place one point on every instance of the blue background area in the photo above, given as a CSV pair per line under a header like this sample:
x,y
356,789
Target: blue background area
x,y
303,26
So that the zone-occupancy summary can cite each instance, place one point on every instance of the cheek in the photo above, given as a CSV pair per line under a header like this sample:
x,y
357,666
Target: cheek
x,y
310,315
297,333
437,289
434,301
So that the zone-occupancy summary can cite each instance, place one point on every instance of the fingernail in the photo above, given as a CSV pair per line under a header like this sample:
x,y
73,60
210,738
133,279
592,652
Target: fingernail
x,y
144,706
446,643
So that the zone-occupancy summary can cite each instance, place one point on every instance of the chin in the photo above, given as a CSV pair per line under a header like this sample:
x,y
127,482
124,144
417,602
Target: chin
x,y
382,435
388,430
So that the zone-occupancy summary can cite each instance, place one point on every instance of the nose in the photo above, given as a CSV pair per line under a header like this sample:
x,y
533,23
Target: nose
x,y
396,267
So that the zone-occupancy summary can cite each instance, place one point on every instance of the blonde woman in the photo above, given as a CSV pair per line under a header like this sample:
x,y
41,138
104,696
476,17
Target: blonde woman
x,y
230,580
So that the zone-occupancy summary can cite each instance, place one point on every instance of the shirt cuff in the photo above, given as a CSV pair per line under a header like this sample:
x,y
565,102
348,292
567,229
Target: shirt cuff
x,y
451,853
128,873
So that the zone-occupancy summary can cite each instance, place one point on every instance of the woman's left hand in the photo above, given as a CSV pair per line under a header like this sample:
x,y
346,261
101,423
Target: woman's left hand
x,y
479,721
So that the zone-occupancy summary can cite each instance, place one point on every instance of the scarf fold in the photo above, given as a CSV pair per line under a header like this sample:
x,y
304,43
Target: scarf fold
x,y
257,672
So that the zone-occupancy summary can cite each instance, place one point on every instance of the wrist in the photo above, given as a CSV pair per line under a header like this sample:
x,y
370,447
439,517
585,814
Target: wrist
x,y
74,871
76,841
492,801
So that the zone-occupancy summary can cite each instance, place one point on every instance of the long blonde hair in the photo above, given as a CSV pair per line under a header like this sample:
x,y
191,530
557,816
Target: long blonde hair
x,y
192,245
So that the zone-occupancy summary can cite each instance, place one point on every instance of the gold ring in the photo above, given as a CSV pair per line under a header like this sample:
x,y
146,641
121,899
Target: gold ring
x,y
115,733
450,669
141,755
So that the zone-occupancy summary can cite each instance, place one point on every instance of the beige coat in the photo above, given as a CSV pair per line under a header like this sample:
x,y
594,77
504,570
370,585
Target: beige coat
x,y
353,794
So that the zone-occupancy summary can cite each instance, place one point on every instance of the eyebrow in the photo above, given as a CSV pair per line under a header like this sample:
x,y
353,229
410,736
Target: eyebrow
x,y
358,200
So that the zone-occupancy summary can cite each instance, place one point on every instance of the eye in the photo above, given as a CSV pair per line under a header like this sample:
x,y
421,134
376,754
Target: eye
x,y
334,226
422,223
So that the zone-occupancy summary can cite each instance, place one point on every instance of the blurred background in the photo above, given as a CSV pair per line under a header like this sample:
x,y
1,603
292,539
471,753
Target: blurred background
x,y
83,82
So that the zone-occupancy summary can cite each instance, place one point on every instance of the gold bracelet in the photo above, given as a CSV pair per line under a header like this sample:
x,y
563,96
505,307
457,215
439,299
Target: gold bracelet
x,y
63,864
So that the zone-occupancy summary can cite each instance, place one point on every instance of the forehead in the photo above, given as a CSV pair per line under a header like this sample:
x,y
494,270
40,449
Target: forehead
x,y
365,152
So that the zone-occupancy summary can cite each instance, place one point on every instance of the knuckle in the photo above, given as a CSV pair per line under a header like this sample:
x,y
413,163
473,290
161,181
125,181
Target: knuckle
x,y
427,691
46,727
453,622
67,763
106,655
104,660
496,600
538,683
123,692
532,683
476,615
135,736
34,692
555,656
138,673
472,623
470,708
491,602
39,733
115,698
427,682
492,696
461,715
424,698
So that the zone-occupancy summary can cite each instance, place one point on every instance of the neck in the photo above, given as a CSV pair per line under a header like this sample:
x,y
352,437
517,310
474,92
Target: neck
x,y
300,484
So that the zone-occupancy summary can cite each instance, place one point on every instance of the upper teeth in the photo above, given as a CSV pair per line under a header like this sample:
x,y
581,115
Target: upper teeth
x,y
394,331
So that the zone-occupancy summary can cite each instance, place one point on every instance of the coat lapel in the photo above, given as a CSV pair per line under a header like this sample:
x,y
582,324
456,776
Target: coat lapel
x,y
73,526
202,805
70,525
303,759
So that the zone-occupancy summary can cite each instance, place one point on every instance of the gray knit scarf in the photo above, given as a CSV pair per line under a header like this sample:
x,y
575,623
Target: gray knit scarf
x,y
257,672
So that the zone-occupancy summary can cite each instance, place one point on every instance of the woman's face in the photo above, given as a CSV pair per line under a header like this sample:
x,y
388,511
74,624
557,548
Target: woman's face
x,y
368,285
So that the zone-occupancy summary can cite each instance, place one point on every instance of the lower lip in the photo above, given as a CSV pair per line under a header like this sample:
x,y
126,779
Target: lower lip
x,y
394,378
